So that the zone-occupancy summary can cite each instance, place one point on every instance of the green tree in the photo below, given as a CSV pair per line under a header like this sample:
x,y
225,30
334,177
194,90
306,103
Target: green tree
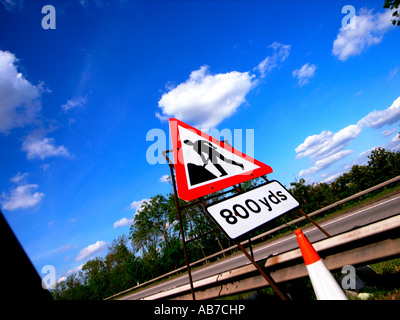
x,y
361,178
152,222
198,223
72,288
96,276
393,4
301,191
384,164
172,256
118,261
153,228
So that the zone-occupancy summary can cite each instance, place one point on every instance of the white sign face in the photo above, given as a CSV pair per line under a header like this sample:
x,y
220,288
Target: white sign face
x,y
207,162
246,211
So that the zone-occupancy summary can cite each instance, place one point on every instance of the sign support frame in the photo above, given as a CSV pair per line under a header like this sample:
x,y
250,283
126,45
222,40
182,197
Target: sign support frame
x,y
171,167
307,216
271,281
200,200
250,256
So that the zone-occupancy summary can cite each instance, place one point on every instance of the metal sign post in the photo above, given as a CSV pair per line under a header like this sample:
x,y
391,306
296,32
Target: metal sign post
x,y
250,256
171,166
271,282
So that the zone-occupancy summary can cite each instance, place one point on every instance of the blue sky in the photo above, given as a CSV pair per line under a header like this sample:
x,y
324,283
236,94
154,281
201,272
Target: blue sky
x,y
77,102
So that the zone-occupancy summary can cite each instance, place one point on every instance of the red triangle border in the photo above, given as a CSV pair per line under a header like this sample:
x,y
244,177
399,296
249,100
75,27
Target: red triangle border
x,y
180,173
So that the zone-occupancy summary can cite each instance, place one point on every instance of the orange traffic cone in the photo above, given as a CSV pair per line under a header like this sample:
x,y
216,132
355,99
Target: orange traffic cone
x,y
324,284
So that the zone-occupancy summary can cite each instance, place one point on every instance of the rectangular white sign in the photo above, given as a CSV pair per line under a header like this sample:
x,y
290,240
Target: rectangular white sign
x,y
246,211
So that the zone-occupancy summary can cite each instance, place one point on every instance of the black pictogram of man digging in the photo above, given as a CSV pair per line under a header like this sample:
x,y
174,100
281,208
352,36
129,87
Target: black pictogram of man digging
x,y
199,174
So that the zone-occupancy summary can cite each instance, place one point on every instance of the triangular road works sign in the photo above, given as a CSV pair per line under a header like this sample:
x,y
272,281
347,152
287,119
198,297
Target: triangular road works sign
x,y
204,165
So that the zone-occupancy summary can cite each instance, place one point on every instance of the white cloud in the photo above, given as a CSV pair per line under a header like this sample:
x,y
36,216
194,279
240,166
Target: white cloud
x,y
320,146
62,249
39,147
77,269
21,197
77,102
369,30
19,103
326,148
98,3
377,119
280,54
123,222
333,177
136,205
305,73
206,99
9,4
91,250
392,73
387,133
324,163
20,177
393,144
362,158
165,178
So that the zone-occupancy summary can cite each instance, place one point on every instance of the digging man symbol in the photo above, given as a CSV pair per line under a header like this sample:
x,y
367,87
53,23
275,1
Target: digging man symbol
x,y
198,174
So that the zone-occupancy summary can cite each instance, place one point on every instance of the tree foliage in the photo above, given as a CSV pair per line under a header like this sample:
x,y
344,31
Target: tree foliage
x,y
393,4
154,245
